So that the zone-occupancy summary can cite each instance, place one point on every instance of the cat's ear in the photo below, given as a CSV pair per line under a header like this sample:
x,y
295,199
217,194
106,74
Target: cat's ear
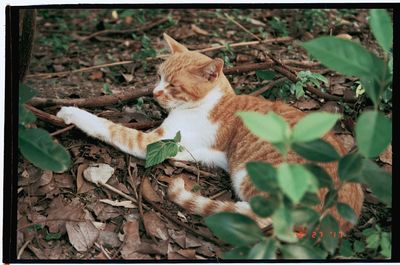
x,y
173,45
212,70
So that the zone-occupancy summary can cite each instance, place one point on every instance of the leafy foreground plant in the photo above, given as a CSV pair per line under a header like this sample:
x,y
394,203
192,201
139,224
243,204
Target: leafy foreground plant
x,y
293,187
36,144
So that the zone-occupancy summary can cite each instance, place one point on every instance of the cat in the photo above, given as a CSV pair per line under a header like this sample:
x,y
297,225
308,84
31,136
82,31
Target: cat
x,y
202,105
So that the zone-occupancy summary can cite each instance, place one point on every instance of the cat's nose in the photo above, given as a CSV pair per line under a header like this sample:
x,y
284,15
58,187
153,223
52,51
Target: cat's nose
x,y
158,93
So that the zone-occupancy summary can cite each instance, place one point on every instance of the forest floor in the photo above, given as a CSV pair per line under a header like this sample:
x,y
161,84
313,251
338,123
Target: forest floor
x,y
156,228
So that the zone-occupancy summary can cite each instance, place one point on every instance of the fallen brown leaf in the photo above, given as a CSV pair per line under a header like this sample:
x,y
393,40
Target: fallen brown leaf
x,y
64,181
306,104
161,248
132,241
154,225
82,185
148,191
109,239
58,213
96,75
179,236
82,235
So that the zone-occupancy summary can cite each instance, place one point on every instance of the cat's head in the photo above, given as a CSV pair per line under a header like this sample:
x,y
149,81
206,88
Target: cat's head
x,y
186,77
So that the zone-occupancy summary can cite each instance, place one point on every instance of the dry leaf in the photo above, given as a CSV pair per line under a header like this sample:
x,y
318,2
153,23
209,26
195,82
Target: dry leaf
x,y
82,185
109,239
82,235
306,104
128,77
192,242
148,191
132,241
179,236
386,156
64,181
154,226
165,179
98,173
105,212
188,253
126,204
199,31
58,213
332,106
46,178
161,248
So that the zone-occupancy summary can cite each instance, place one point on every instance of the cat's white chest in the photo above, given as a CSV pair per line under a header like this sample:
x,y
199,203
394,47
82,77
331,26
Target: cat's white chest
x,y
198,132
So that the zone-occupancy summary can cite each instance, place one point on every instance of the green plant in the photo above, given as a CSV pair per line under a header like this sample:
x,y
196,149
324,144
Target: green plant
x,y
278,26
145,51
158,151
292,187
36,144
305,78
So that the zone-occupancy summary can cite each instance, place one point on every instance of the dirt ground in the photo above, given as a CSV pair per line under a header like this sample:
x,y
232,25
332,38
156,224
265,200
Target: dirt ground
x,y
48,203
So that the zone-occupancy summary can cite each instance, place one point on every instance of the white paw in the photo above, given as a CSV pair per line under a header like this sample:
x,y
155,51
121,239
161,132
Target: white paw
x,y
69,114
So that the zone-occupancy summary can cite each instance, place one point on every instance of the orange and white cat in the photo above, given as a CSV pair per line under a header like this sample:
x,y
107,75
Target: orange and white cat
x,y
202,106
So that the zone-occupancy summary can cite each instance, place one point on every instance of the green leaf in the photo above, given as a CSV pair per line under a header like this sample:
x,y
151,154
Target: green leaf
x,y
296,251
283,225
178,137
314,126
266,249
345,248
330,229
271,127
265,75
324,179
372,88
382,28
316,150
373,133
310,199
234,228
358,246
38,147
25,93
304,216
294,180
350,166
52,236
330,199
348,58
378,180
263,175
369,231
237,253
25,116
386,245
346,212
373,241
264,207
106,89
159,151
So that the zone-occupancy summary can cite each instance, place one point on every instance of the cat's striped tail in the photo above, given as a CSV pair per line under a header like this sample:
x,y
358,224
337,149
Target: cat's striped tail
x,y
200,205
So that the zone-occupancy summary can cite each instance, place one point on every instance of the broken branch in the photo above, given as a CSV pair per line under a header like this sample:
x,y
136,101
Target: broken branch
x,y
95,101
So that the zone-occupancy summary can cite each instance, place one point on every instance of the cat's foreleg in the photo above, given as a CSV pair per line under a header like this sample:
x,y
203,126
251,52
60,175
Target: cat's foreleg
x,y
129,140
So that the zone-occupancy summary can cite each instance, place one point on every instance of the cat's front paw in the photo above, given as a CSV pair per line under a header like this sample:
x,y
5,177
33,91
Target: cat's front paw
x,y
69,114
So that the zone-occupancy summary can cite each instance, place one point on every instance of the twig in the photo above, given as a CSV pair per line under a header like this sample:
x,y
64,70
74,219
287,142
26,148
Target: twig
x,y
190,168
86,69
181,224
217,194
102,250
63,130
94,101
248,67
124,31
292,76
247,43
268,86
46,116
242,27
21,251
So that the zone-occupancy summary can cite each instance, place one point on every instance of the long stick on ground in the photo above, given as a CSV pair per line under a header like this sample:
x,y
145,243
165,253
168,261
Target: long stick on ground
x,y
95,101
